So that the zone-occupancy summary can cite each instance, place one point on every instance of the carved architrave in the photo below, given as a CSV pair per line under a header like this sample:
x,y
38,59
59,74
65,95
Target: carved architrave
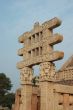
x,y
38,44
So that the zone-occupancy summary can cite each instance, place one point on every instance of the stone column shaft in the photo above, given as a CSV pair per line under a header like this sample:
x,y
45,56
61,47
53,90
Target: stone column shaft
x,y
46,85
26,88
66,102
47,96
26,94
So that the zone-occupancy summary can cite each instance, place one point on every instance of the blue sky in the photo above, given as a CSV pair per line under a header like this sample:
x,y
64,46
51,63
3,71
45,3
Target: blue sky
x,y
18,16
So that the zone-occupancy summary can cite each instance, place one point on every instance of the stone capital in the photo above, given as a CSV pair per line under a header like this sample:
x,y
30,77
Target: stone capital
x,y
47,71
26,75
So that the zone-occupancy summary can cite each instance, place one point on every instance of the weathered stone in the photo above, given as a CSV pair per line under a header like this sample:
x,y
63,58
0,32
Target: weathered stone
x,y
26,75
52,92
47,71
39,44
53,56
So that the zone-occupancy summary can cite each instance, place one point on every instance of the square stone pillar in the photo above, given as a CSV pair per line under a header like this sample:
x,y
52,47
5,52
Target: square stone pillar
x,y
47,96
46,85
66,102
26,88
26,94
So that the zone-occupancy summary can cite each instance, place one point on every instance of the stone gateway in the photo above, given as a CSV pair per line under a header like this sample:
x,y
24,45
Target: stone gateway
x,y
54,90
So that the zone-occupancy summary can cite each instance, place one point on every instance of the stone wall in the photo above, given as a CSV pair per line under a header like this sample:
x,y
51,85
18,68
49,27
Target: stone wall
x,y
63,97
65,76
35,102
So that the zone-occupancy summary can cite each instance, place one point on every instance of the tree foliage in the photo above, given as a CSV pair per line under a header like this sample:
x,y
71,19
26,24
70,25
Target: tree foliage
x,y
5,84
6,98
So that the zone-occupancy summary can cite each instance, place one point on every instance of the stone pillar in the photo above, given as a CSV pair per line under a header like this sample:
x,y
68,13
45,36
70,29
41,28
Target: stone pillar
x,y
26,88
40,50
47,72
32,53
17,100
46,35
40,36
66,102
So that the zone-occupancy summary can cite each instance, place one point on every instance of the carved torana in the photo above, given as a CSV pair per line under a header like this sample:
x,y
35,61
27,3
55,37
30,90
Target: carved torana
x,y
53,89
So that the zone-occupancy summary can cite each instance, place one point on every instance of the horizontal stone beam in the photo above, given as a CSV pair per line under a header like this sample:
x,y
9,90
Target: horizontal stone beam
x,y
21,39
24,36
53,56
59,88
36,45
57,38
51,24
20,52
20,65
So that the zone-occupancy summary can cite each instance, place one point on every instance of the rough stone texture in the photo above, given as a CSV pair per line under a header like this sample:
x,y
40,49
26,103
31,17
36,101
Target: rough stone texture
x,y
26,75
65,74
67,64
47,96
47,71
53,91
20,99
38,44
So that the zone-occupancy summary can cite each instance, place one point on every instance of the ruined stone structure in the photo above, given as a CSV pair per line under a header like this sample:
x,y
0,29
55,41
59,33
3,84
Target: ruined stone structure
x,y
65,74
53,92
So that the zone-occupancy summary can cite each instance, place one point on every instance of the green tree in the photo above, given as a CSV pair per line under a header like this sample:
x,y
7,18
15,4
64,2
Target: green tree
x,y
6,98
5,84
